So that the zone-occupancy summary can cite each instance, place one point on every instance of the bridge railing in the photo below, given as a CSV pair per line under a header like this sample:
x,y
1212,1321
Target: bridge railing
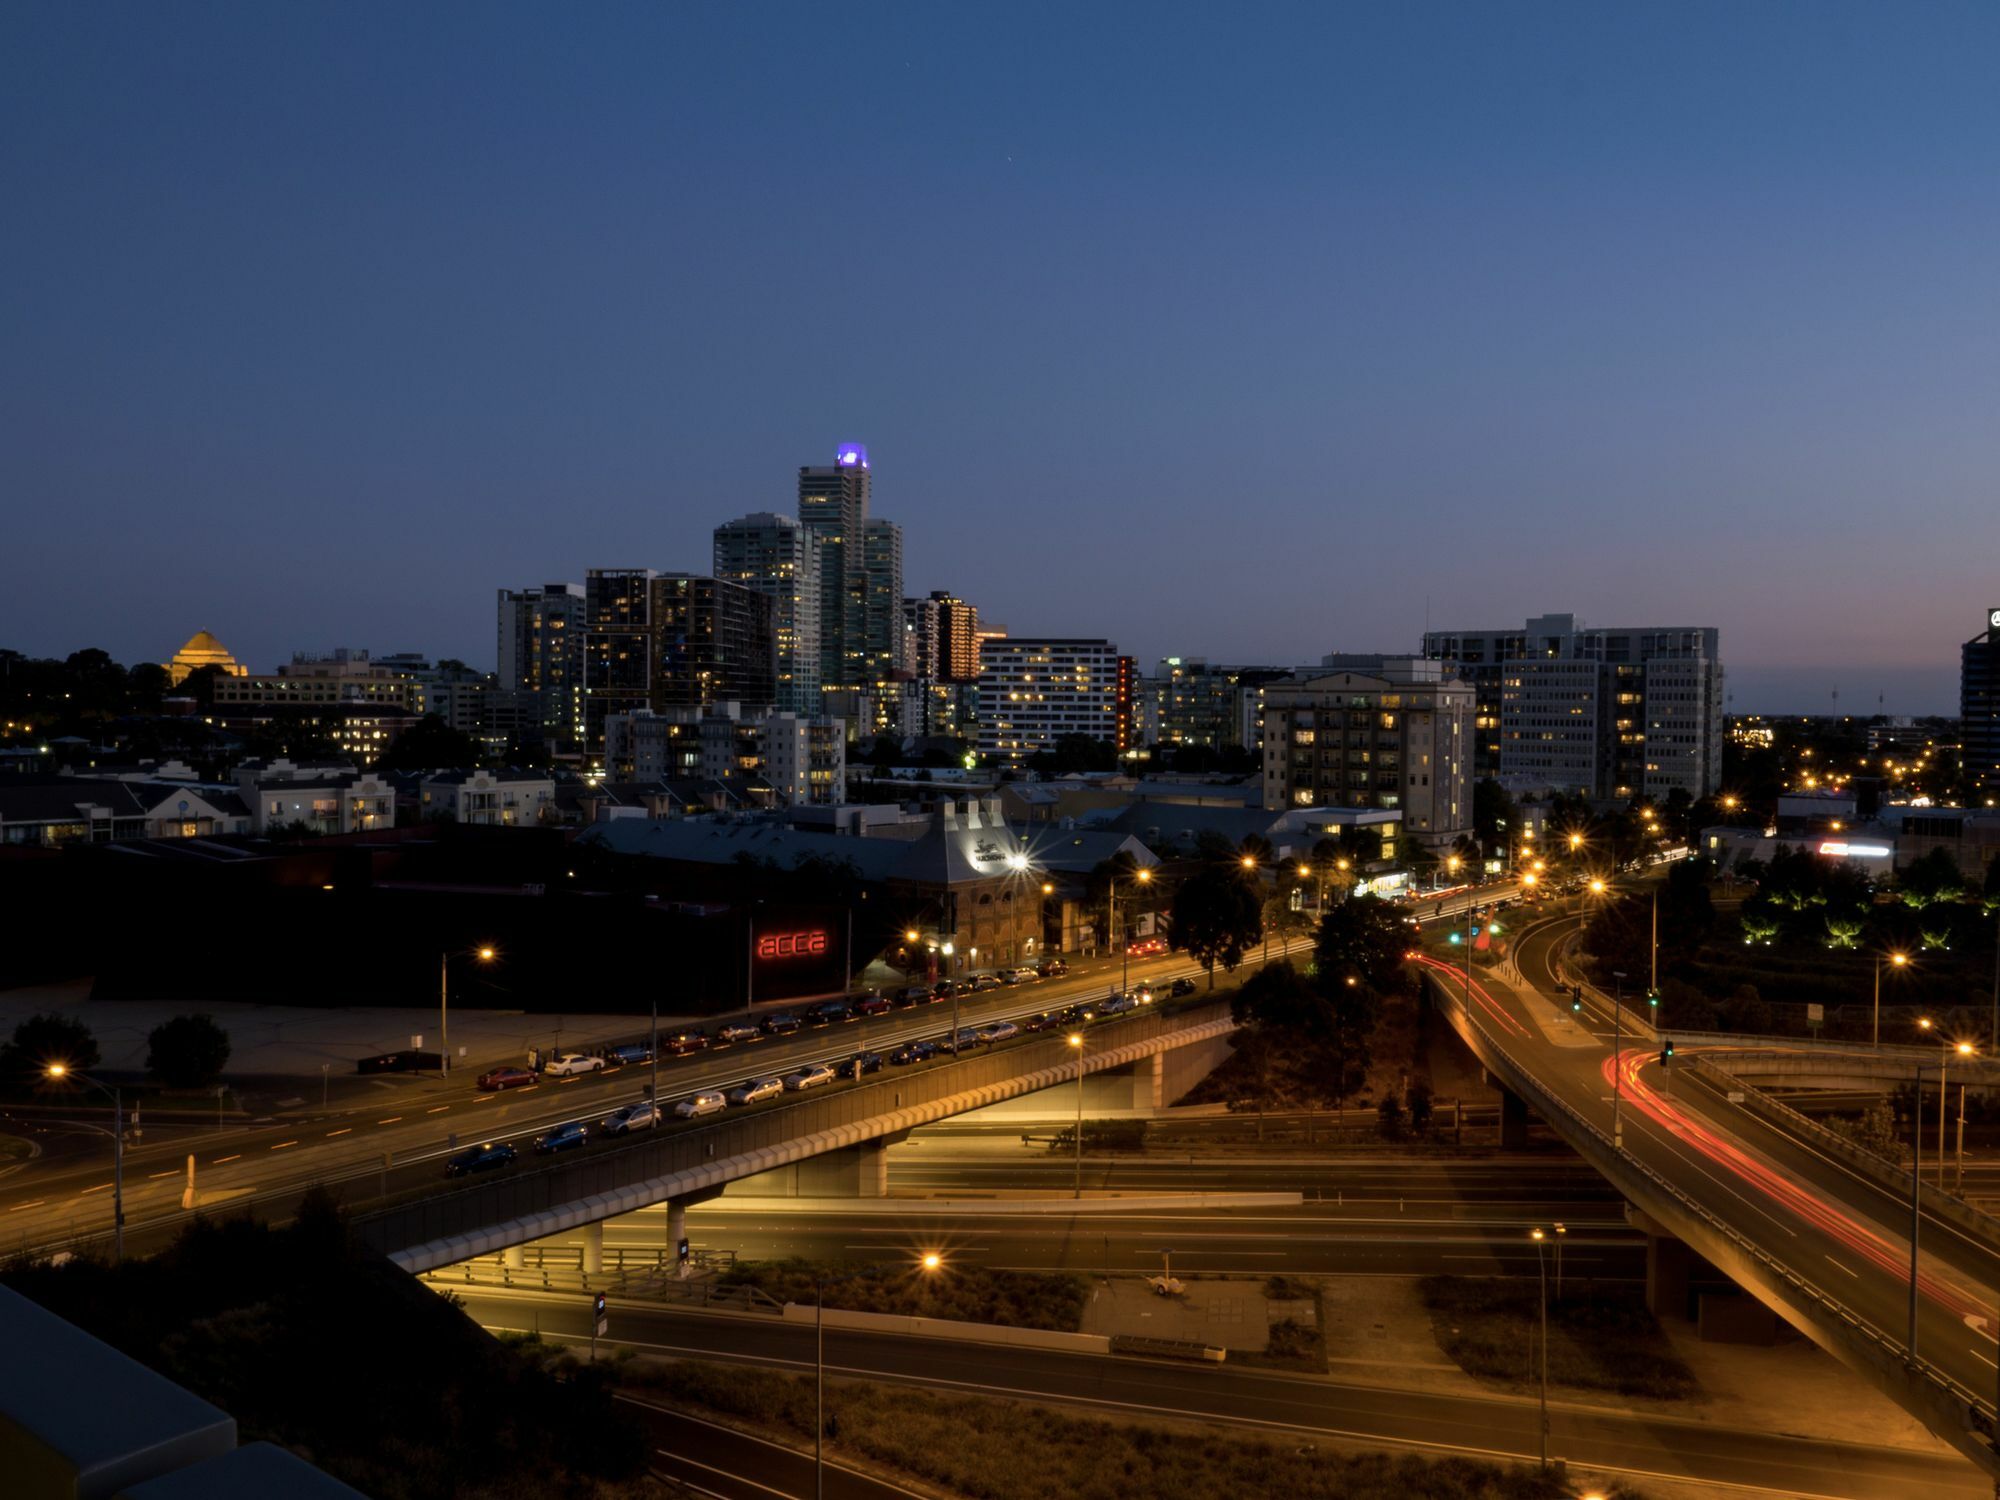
x,y
1978,1410
438,1215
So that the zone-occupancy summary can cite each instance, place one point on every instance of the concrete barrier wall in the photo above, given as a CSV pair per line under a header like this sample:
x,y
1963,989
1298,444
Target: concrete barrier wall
x,y
946,1328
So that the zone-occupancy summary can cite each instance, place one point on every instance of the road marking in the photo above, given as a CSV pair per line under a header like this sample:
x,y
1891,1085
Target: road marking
x,y
485,1098
1855,1274
19,1206
439,1110
711,1469
578,1078
390,1121
98,1189
155,1176
282,1144
762,1441
1982,1358
344,1130
221,1159
530,1088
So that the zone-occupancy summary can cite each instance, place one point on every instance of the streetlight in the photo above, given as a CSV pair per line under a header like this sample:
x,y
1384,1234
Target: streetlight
x,y
1541,1261
1076,1045
1617,1048
1562,1233
1875,1025
63,1070
1144,877
945,949
484,953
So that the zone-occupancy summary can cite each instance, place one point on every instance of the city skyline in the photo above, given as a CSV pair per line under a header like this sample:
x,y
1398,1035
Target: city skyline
x,y
1456,318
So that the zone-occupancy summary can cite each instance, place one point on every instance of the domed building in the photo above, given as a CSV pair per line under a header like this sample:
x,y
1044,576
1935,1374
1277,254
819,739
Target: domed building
x,y
203,650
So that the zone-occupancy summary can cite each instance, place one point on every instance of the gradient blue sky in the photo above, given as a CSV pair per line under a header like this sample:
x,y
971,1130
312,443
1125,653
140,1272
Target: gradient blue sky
x,y
1245,331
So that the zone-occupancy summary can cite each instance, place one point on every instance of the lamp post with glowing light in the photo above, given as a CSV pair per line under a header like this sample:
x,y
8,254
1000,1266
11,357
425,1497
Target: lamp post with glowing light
x,y
1541,1261
1075,1040
117,1133
1875,1027
1144,877
484,954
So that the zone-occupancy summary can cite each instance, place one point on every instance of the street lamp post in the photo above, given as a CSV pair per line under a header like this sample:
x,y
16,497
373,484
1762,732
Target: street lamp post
x,y
1076,1043
945,949
1541,1261
1617,1050
1875,1025
62,1070
485,955
1144,877
1562,1233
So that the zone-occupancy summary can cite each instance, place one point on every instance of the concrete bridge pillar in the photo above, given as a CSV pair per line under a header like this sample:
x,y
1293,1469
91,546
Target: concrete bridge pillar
x,y
1513,1121
677,1230
1149,1077
871,1178
1670,1268
593,1249
514,1257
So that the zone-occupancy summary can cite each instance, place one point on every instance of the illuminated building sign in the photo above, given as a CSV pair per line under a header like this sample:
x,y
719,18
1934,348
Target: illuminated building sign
x,y
852,456
791,944
1840,849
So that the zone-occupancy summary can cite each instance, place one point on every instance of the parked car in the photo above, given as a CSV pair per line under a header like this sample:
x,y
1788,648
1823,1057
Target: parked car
x,y
871,1004
980,982
569,1064
861,1062
487,1158
779,1023
505,1078
683,1042
630,1053
564,1138
809,1077
829,1012
944,989
755,1089
696,1105
1116,1005
632,1117
1182,986
998,1031
1045,1021
914,994
736,1031
968,1038
1072,1016
913,1052
1018,976
1052,968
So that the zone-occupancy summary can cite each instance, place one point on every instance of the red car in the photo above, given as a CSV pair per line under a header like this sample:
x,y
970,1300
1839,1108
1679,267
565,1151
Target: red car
x,y
506,1078
683,1042
1145,947
871,1005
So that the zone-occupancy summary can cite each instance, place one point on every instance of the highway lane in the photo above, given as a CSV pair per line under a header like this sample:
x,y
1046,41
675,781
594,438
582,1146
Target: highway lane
x,y
50,1203
721,1461
1849,1240
1351,1415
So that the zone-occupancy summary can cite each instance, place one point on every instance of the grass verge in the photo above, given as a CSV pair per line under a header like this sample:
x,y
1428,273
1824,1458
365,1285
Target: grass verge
x,y
971,1294
1599,1339
992,1449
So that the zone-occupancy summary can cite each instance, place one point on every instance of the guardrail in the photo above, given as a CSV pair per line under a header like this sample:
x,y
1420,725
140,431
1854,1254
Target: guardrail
x,y
1884,1173
1972,1412
442,1215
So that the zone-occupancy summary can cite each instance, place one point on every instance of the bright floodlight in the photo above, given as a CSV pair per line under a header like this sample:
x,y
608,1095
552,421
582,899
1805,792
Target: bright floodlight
x,y
1249,861
1076,1039
57,1070
1144,876
486,954
1899,959
911,936
1965,1049
932,1260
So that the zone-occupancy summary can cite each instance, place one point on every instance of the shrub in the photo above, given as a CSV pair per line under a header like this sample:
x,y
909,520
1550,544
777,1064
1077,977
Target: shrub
x,y
188,1052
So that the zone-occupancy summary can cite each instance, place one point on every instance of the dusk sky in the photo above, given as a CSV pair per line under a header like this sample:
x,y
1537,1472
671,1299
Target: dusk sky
x,y
1251,332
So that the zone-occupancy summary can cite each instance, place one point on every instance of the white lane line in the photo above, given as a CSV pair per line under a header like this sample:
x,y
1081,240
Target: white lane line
x,y
1855,1274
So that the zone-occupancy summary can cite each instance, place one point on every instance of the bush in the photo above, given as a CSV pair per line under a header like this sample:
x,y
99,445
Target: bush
x,y
1599,1339
188,1052
972,1294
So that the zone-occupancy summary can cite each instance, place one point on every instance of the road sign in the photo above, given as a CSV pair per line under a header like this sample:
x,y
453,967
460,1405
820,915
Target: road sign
x,y
1815,1014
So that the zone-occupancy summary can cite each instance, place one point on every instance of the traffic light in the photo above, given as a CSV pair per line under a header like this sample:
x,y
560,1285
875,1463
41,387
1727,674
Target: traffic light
x,y
1653,999
1666,1053
597,1309
1456,938
1576,998
681,1249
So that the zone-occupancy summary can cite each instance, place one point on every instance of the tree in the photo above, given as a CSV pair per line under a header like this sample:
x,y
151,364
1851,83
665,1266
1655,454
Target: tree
x,y
188,1052
430,744
1216,915
1364,938
1420,1108
1494,816
42,1040
1280,998
1931,877
1389,1117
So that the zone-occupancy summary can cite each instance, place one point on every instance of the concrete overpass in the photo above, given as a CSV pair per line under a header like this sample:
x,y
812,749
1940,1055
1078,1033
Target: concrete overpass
x,y
1821,1242
816,1146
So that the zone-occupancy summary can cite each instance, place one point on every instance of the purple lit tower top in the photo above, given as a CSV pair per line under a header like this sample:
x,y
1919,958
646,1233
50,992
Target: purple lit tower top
x,y
852,455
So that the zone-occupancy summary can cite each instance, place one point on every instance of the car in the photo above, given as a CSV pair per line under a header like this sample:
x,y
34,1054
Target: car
x,y
489,1157
944,989
810,1076
1142,993
696,1105
1147,947
779,1023
968,1037
861,1062
1182,986
1117,1005
680,1043
980,982
505,1078
871,1004
630,1053
829,1012
912,1052
1070,1016
1045,1021
914,994
632,1117
570,1064
998,1031
1018,976
756,1089
736,1031
564,1138
1052,968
